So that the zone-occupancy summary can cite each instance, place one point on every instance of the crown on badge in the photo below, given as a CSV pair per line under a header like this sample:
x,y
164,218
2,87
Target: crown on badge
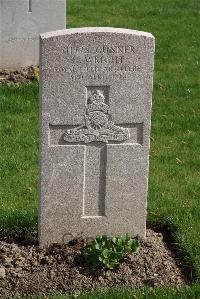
x,y
96,102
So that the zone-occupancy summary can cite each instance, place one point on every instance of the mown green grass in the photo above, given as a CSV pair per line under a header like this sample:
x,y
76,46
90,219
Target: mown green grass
x,y
174,184
143,293
18,159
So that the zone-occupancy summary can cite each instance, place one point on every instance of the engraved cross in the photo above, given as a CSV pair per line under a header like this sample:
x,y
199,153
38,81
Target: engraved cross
x,y
29,6
95,135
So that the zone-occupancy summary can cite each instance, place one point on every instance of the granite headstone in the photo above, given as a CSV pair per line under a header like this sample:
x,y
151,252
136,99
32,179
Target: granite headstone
x,y
95,110
21,22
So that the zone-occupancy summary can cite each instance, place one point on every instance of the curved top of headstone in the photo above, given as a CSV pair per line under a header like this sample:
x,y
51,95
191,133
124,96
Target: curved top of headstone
x,y
95,30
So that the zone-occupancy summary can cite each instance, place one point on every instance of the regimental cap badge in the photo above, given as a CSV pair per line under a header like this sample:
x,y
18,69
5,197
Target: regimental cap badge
x,y
96,97
98,124
97,102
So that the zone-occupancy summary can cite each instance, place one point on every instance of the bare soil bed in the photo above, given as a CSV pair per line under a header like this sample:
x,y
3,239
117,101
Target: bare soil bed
x,y
19,76
26,270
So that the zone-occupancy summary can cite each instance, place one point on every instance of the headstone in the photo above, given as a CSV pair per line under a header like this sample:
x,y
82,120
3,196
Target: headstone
x,y
21,22
96,88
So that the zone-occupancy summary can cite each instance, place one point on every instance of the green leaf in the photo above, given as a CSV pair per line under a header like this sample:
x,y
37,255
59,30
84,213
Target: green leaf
x,y
108,252
105,253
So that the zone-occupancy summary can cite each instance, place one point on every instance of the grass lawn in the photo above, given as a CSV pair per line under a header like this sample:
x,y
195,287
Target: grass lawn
x,y
18,159
174,181
151,293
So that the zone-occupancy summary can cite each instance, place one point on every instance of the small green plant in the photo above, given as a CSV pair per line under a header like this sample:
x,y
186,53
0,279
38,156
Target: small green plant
x,y
108,252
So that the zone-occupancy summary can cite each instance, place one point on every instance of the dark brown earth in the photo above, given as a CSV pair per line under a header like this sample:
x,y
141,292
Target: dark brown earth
x,y
17,77
26,270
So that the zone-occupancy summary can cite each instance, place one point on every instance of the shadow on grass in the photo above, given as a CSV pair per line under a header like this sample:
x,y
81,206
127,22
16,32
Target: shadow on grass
x,y
182,257
20,236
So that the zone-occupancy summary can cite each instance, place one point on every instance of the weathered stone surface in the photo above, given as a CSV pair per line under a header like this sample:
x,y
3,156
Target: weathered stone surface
x,y
21,22
96,87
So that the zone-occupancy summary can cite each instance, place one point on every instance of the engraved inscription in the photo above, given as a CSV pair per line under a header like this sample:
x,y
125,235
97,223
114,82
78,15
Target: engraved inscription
x,y
98,124
103,49
99,62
